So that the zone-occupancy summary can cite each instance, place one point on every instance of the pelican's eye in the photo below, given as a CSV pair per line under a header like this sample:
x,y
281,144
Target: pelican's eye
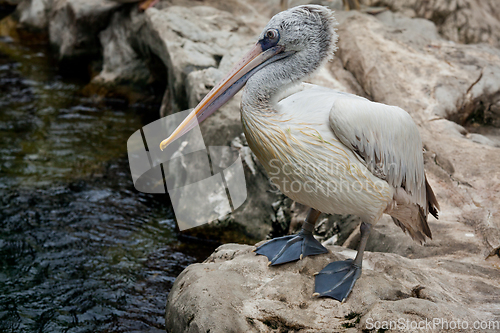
x,y
270,39
272,34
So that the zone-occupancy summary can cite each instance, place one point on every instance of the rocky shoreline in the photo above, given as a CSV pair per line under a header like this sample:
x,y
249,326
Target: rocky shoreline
x,y
438,60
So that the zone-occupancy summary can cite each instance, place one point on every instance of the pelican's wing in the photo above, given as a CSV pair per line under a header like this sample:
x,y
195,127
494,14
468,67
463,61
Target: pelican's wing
x,y
387,140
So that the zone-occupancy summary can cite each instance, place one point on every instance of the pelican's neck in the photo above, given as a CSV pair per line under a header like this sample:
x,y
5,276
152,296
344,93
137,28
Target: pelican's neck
x,y
260,95
263,89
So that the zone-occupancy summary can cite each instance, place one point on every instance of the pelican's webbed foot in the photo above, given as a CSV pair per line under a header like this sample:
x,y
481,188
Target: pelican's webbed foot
x,y
290,248
337,279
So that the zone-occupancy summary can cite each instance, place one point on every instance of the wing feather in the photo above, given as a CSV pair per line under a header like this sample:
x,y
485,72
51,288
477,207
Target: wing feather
x,y
387,140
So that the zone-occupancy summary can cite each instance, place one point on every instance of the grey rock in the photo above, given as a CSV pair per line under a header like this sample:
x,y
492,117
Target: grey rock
x,y
74,26
34,14
332,4
188,40
464,21
448,77
121,63
235,291
481,139
126,1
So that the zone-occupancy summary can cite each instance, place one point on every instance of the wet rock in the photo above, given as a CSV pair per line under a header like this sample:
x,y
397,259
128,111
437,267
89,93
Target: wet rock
x,y
74,26
34,14
243,294
126,73
121,63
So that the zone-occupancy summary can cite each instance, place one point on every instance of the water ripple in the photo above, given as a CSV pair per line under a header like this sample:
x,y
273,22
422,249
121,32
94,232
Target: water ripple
x,y
80,249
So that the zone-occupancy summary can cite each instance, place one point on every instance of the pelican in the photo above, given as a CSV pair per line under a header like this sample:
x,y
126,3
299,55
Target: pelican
x,y
332,151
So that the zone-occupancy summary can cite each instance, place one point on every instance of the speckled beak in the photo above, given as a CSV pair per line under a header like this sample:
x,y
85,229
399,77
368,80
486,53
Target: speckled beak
x,y
225,89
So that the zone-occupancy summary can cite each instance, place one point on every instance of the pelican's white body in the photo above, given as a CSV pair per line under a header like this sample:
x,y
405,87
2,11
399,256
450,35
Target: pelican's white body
x,y
297,144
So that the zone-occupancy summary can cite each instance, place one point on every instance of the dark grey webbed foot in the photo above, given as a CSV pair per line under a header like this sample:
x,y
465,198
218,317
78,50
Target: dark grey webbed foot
x,y
290,248
337,279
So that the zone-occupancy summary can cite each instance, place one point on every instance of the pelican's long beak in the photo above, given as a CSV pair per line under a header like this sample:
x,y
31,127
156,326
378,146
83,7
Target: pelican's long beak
x,y
225,89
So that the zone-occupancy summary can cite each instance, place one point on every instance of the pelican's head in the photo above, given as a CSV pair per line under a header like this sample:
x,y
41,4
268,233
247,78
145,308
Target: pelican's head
x,y
304,33
292,45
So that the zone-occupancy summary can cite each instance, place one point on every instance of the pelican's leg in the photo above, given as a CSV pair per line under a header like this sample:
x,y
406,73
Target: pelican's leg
x,y
290,248
337,278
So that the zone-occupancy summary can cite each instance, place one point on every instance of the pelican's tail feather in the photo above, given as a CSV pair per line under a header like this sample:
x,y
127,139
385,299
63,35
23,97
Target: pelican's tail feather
x,y
432,204
412,217
417,232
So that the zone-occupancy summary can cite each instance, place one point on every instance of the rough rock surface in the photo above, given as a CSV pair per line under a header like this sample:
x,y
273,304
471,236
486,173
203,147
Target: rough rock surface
x,y
121,63
188,41
34,14
465,21
235,291
445,77
74,26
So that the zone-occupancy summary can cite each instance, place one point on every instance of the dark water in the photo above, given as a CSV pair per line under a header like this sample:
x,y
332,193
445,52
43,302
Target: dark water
x,y
80,249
